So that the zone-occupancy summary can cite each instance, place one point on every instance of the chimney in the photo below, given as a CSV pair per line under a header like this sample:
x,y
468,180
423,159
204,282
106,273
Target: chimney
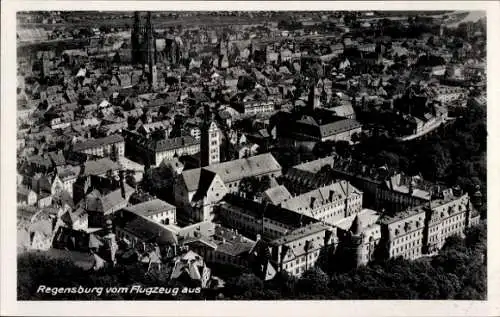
x,y
313,199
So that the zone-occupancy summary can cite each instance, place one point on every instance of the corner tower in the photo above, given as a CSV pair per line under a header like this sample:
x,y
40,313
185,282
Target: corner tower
x,y
356,242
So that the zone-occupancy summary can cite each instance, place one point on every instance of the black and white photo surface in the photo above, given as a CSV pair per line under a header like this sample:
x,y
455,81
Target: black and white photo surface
x,y
251,155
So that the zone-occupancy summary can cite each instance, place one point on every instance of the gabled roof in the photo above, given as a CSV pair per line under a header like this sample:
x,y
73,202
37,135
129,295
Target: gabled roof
x,y
337,191
234,170
114,198
110,200
57,158
149,208
205,181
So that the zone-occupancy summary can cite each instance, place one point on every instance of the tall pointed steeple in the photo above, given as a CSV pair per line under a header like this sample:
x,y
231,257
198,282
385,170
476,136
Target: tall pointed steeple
x,y
150,41
151,53
137,39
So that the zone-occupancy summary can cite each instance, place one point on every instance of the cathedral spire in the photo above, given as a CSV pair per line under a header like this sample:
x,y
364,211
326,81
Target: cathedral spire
x,y
151,53
136,38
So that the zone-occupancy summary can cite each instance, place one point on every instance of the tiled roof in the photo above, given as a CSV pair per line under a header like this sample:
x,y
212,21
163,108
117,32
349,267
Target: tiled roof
x,y
300,233
234,247
344,110
235,170
338,127
205,180
308,179
152,207
277,194
67,172
99,167
112,199
153,126
285,216
302,203
92,143
57,158
145,229
366,218
402,183
387,219
315,166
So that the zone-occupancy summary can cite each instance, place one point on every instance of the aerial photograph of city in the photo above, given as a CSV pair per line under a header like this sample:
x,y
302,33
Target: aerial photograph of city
x,y
251,155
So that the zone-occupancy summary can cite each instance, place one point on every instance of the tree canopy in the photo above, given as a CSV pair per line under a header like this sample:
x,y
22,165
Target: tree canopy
x,y
253,187
453,154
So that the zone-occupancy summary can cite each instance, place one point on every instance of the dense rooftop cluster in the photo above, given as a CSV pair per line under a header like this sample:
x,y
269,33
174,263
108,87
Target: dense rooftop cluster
x,y
186,147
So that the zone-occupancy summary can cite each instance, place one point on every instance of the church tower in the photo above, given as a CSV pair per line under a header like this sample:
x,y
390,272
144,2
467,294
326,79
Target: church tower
x,y
210,140
137,39
143,45
151,54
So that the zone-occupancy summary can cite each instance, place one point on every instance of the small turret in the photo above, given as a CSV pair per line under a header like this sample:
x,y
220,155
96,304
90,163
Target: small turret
x,y
477,198
110,245
411,187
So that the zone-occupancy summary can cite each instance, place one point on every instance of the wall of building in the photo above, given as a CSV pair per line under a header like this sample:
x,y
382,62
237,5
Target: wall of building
x,y
106,150
169,154
444,221
405,236
165,217
296,265
249,225
343,136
